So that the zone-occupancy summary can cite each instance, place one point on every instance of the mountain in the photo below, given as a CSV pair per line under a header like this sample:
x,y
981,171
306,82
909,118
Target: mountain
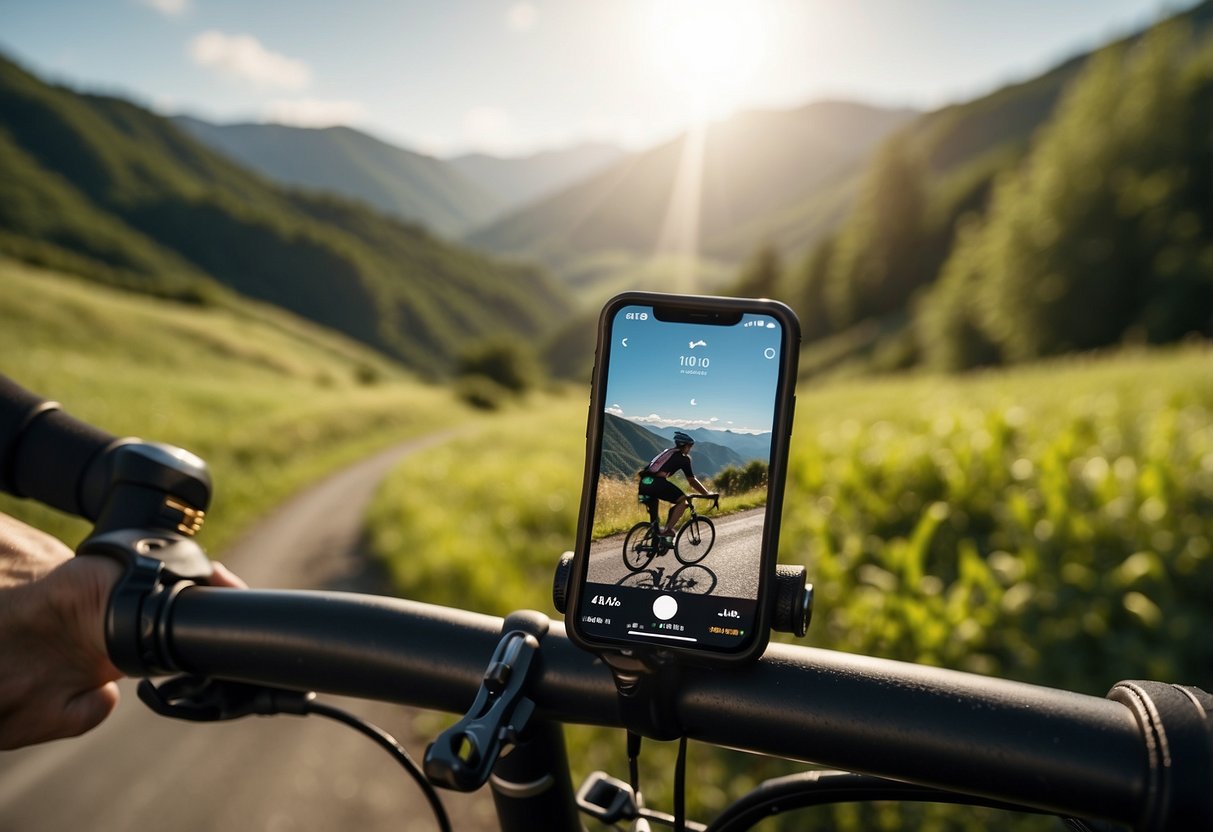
x,y
751,165
869,292
627,447
747,446
517,181
343,161
102,188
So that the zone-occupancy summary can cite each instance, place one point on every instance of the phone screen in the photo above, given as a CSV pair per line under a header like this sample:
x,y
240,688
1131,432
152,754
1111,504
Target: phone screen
x,y
688,403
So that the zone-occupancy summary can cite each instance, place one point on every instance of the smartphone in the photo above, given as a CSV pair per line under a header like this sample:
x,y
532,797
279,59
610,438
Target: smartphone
x,y
690,394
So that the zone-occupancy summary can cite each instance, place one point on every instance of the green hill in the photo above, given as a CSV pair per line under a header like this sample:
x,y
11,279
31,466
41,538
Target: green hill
x,y
1069,212
753,164
627,447
103,188
269,400
518,180
338,160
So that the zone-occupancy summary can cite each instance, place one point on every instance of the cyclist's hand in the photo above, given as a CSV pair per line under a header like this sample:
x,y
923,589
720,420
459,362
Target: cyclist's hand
x,y
56,679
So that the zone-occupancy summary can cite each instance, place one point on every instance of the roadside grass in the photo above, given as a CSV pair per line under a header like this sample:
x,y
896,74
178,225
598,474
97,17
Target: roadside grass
x,y
269,401
617,509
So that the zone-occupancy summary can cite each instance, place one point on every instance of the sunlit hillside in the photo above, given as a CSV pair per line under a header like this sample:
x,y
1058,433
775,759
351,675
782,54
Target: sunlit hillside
x,y
103,188
270,401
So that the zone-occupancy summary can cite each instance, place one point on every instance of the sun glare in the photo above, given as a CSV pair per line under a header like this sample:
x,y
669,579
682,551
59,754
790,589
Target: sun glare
x,y
707,51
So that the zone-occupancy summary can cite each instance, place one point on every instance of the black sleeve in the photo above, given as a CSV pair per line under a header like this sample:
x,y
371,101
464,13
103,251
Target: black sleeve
x,y
18,408
685,466
45,453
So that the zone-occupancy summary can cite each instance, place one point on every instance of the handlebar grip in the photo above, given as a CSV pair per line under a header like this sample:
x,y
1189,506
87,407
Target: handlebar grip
x,y
47,454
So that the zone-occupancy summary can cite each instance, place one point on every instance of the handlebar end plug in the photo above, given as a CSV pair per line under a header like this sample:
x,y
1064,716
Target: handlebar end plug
x,y
793,601
560,583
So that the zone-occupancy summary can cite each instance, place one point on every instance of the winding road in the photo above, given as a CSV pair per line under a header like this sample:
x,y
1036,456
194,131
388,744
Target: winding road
x,y
138,771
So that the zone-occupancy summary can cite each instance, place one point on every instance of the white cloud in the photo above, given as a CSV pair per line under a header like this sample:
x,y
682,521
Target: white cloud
x,y
244,58
314,112
659,421
656,420
168,8
522,17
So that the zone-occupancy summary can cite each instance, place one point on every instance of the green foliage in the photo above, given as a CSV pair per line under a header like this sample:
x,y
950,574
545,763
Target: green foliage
x,y
1028,526
876,263
738,480
508,363
1104,233
807,292
1053,524
761,275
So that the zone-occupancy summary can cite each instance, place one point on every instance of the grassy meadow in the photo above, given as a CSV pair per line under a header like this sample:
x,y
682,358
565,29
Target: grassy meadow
x,y
269,401
1052,524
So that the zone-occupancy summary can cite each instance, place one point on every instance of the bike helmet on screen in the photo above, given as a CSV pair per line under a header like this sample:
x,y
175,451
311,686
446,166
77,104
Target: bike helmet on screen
x,y
681,438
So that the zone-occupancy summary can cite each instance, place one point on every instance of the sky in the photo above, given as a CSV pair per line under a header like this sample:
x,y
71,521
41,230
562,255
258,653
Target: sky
x,y
513,77
664,374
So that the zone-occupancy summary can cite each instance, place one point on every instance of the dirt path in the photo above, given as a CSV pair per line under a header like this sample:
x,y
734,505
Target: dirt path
x,y
142,772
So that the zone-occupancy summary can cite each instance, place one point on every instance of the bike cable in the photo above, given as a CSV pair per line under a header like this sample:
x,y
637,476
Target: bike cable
x,y
678,820
818,788
393,747
205,699
680,782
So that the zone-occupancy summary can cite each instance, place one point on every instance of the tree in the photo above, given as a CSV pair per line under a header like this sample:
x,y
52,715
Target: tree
x,y
877,261
807,295
761,275
1100,233
507,363
946,322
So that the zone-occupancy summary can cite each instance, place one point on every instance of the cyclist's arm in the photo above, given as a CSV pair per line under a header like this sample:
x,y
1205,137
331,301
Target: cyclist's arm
x,y
697,485
56,679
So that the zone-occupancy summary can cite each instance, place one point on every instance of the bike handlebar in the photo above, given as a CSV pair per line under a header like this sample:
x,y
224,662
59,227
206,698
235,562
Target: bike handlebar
x,y
1038,747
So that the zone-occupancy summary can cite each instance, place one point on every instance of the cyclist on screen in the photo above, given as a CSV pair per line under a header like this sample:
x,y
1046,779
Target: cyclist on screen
x,y
655,482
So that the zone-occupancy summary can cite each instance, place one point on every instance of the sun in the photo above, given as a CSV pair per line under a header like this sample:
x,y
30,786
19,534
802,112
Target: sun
x,y
706,51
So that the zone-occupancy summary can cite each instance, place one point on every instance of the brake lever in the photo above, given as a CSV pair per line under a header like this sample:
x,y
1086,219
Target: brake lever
x,y
200,699
463,756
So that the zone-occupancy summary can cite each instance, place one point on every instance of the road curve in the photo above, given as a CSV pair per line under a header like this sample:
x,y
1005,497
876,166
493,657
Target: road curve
x,y
138,771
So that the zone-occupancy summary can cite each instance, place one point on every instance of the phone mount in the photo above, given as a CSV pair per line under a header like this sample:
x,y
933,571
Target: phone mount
x,y
463,756
648,683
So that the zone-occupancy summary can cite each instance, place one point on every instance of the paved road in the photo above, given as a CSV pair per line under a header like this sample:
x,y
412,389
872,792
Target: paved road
x,y
731,558
142,772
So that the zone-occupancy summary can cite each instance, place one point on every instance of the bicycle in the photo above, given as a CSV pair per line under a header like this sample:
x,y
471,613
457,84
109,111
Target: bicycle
x,y
692,543
1142,757
690,578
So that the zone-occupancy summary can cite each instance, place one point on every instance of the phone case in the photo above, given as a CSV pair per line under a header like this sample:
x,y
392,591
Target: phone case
x,y
687,308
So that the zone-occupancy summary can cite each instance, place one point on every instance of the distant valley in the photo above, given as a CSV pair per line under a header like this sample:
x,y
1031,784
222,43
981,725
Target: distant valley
x,y
452,197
